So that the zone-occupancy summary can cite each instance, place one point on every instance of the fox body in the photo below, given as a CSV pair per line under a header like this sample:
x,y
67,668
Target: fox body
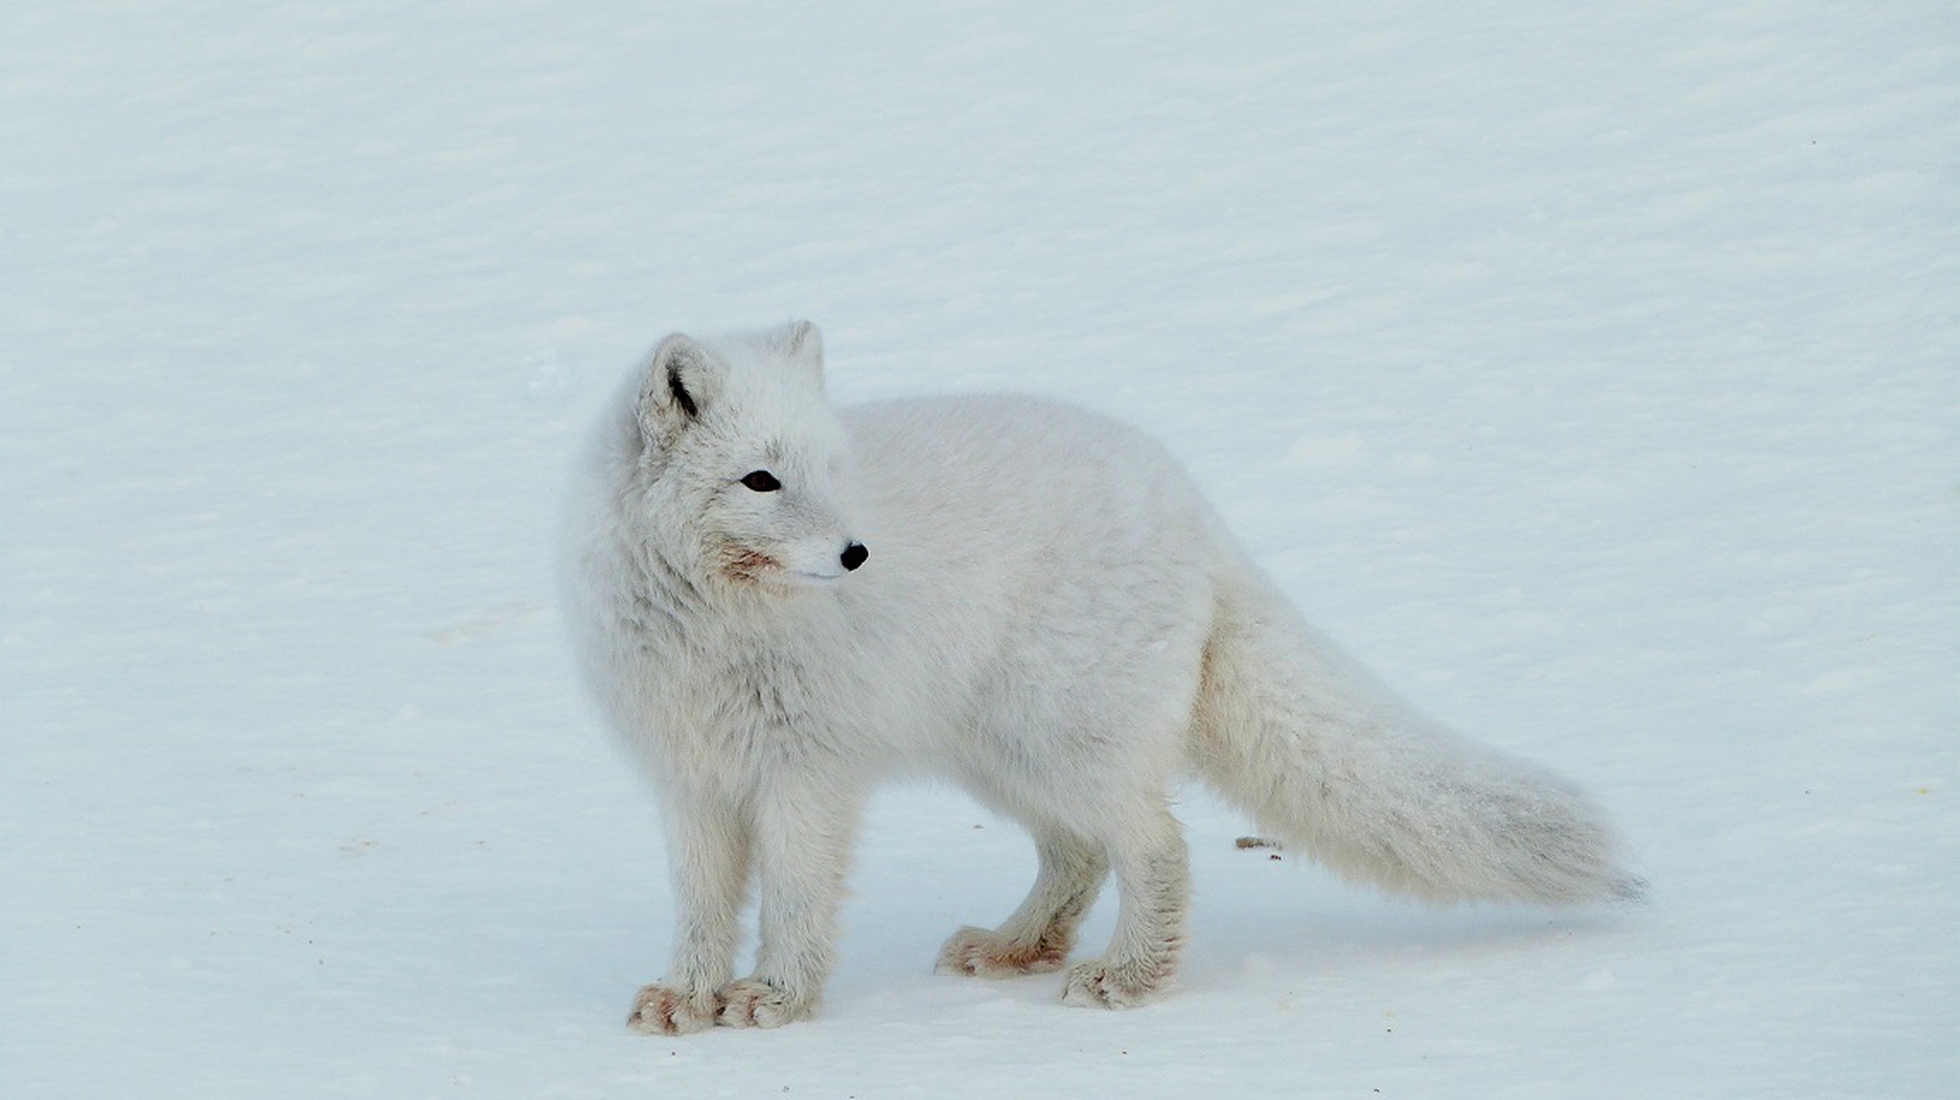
x,y
777,604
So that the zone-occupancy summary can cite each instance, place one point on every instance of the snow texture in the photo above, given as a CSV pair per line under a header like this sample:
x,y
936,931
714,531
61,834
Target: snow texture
x,y
1589,369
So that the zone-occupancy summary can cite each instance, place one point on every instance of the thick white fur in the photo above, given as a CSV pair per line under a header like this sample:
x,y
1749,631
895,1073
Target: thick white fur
x,y
1050,614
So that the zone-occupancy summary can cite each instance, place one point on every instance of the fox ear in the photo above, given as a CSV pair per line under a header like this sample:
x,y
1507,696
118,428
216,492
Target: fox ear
x,y
681,379
801,343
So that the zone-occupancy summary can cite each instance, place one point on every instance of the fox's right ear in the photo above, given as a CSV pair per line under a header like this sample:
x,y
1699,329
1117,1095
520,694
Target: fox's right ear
x,y
681,379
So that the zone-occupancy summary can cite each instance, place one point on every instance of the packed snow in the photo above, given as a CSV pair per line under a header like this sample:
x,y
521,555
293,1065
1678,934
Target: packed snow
x,y
1593,371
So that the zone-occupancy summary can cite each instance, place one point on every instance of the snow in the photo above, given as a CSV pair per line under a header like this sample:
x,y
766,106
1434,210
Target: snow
x,y
1589,369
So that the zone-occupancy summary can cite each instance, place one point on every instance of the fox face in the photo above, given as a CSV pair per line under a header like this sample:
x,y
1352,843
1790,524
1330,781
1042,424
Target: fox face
x,y
742,470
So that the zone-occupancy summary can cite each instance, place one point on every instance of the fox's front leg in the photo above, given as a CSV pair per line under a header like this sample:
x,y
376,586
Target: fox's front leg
x,y
708,846
802,842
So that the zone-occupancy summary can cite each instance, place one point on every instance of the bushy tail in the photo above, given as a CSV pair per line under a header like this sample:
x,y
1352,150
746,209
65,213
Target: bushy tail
x,y
1333,763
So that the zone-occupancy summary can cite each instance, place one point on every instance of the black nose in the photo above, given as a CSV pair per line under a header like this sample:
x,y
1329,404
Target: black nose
x,y
854,555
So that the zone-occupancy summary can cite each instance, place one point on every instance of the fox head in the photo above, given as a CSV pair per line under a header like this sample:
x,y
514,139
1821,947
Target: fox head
x,y
737,465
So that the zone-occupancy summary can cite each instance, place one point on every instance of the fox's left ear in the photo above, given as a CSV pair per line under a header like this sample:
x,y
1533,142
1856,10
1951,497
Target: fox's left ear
x,y
679,380
802,344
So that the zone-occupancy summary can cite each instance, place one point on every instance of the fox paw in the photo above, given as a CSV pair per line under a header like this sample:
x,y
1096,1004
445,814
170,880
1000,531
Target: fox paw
x,y
980,953
753,1002
1099,985
664,1010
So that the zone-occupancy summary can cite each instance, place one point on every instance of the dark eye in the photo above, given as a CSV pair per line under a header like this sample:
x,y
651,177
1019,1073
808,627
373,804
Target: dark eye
x,y
762,481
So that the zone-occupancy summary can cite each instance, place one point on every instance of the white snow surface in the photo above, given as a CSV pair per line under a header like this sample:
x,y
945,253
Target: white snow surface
x,y
1591,370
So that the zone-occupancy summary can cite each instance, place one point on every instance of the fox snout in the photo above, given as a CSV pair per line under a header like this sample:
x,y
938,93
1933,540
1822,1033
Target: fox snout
x,y
798,563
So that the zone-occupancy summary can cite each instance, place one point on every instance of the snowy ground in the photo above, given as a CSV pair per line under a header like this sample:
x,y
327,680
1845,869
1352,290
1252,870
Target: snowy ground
x,y
1590,369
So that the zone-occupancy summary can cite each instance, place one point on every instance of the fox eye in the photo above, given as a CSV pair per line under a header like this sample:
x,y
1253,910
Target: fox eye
x,y
762,481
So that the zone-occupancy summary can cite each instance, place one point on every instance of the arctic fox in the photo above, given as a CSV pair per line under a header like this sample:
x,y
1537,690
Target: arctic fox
x,y
777,604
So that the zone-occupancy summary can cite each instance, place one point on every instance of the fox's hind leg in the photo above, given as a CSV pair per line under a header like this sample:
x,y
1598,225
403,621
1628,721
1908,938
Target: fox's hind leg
x,y
1037,938
1153,875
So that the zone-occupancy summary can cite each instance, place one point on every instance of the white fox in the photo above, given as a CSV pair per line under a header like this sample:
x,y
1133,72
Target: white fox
x,y
778,604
